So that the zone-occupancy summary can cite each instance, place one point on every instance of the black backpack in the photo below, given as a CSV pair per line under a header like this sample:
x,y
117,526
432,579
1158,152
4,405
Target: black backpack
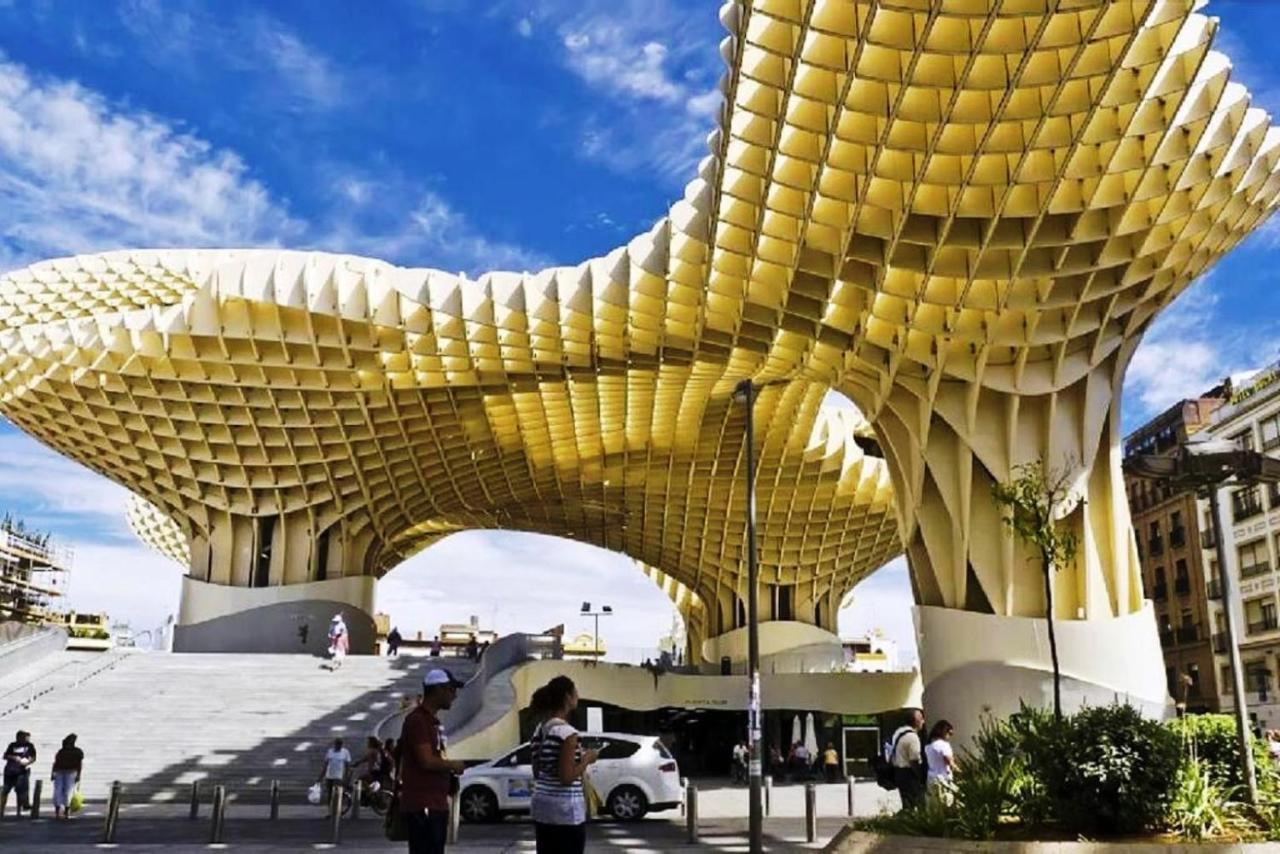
x,y
883,768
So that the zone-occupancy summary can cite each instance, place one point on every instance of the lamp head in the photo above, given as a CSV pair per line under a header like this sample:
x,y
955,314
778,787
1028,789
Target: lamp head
x,y
586,607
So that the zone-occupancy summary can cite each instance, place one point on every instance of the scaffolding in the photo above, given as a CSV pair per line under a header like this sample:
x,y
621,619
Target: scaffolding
x,y
34,572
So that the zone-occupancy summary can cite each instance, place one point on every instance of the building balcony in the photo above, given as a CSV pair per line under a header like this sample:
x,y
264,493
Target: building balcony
x,y
1266,624
1214,589
1187,634
1182,586
1245,505
1207,539
1166,637
1220,643
1254,570
1160,591
1155,546
1177,537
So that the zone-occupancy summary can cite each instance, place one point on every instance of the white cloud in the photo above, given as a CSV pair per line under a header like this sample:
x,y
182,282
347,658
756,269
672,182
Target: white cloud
x,y
606,55
883,602
78,175
429,230
524,27
1185,352
527,582
299,66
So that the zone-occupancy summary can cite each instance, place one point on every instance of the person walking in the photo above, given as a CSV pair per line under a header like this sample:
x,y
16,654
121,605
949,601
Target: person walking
x,y
393,642
339,641
831,763
906,757
559,805
940,761
334,771
67,766
435,647
740,756
19,756
427,776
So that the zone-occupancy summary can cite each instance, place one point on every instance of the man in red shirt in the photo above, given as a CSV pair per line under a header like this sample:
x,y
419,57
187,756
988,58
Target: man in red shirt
x,y
425,773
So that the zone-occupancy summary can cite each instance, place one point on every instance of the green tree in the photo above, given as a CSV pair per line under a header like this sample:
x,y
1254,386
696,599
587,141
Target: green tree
x,y
1031,503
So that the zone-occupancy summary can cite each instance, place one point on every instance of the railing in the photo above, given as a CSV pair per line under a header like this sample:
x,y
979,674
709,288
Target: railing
x,y
1156,546
1266,624
1166,637
1215,590
1255,569
1220,643
1177,537
72,674
1187,634
1245,504
1207,539
1182,585
1160,591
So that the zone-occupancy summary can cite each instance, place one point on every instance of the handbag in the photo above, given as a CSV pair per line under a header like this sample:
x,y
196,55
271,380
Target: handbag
x,y
394,825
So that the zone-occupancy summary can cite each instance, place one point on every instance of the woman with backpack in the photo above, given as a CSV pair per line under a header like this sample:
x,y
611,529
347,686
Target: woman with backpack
x,y
559,805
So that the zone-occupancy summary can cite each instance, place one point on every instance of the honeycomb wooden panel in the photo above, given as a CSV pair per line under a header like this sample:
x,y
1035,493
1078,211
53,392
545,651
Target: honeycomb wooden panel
x,y
962,214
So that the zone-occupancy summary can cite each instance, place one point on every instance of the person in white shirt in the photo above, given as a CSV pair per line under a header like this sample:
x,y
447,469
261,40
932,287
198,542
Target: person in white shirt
x,y
336,761
905,756
940,760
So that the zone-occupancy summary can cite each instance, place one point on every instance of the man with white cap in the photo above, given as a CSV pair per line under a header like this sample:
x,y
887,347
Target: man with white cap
x,y
426,774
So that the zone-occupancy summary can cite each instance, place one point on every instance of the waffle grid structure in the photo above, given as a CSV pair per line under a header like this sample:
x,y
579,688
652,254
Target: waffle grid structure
x,y
961,214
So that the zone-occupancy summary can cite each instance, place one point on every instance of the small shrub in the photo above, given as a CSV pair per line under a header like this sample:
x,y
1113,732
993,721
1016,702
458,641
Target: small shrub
x,y
1107,770
1200,806
1213,738
933,819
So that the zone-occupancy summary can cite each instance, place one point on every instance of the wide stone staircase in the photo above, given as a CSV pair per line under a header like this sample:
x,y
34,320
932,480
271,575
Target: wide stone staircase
x,y
157,721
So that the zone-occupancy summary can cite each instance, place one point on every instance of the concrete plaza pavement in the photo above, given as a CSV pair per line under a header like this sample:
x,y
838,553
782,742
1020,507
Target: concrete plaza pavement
x,y
166,827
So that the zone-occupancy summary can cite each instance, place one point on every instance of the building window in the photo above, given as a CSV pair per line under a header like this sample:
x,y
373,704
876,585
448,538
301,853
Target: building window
x,y
1159,591
1245,503
1193,680
1244,439
1156,543
1253,558
1228,686
1270,428
1260,615
1181,580
1177,531
1187,631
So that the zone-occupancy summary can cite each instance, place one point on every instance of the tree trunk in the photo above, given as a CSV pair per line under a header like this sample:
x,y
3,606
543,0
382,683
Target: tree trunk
x,y
1053,640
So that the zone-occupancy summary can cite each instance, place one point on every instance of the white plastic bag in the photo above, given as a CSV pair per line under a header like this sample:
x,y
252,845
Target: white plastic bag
x,y
315,793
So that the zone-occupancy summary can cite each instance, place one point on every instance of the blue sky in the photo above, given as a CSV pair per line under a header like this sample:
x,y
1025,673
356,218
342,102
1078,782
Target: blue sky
x,y
444,133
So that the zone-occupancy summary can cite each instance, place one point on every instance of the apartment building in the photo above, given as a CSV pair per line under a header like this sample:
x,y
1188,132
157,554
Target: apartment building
x,y
33,574
1168,527
1251,417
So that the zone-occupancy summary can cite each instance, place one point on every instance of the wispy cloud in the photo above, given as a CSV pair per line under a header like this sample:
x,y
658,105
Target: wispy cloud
x,y
1185,353
77,174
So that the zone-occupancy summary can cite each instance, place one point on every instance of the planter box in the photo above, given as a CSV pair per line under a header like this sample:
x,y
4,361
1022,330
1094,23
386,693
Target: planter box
x,y
850,841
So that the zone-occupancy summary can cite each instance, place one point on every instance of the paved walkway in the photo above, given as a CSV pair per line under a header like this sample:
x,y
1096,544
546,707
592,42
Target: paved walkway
x,y
166,827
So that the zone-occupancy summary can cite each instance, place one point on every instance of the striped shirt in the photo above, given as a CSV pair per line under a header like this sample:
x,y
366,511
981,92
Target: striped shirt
x,y
555,802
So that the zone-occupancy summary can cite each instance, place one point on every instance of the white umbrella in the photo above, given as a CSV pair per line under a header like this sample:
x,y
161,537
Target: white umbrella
x,y
796,734
811,737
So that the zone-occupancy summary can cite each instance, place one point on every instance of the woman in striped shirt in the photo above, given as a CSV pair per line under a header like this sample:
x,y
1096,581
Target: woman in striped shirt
x,y
559,763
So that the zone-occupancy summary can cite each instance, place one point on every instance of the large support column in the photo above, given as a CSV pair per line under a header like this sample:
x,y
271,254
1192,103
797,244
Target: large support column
x,y
948,442
291,618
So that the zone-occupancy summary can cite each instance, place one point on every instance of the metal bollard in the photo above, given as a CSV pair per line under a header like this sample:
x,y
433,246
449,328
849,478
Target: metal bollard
x,y
335,806
455,818
113,813
35,798
219,810
691,812
195,799
684,787
768,792
850,782
275,799
810,812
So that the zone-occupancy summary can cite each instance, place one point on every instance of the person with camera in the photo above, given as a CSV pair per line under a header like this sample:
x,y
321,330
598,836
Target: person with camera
x,y
559,769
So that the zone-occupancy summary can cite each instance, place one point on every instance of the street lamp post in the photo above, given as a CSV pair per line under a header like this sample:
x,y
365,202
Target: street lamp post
x,y
745,393
1205,466
605,611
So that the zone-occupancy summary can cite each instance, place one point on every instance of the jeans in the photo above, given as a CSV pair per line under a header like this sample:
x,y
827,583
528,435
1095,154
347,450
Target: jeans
x,y
64,783
910,786
20,781
560,838
428,831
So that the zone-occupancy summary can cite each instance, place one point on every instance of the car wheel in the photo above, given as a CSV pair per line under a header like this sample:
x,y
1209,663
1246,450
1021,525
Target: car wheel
x,y
478,804
627,803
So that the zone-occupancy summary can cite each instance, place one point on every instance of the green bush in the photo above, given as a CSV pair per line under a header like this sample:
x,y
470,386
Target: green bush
x,y
1212,738
1201,806
1107,770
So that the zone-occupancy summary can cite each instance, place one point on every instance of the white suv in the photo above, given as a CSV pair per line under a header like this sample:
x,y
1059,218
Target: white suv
x,y
634,775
